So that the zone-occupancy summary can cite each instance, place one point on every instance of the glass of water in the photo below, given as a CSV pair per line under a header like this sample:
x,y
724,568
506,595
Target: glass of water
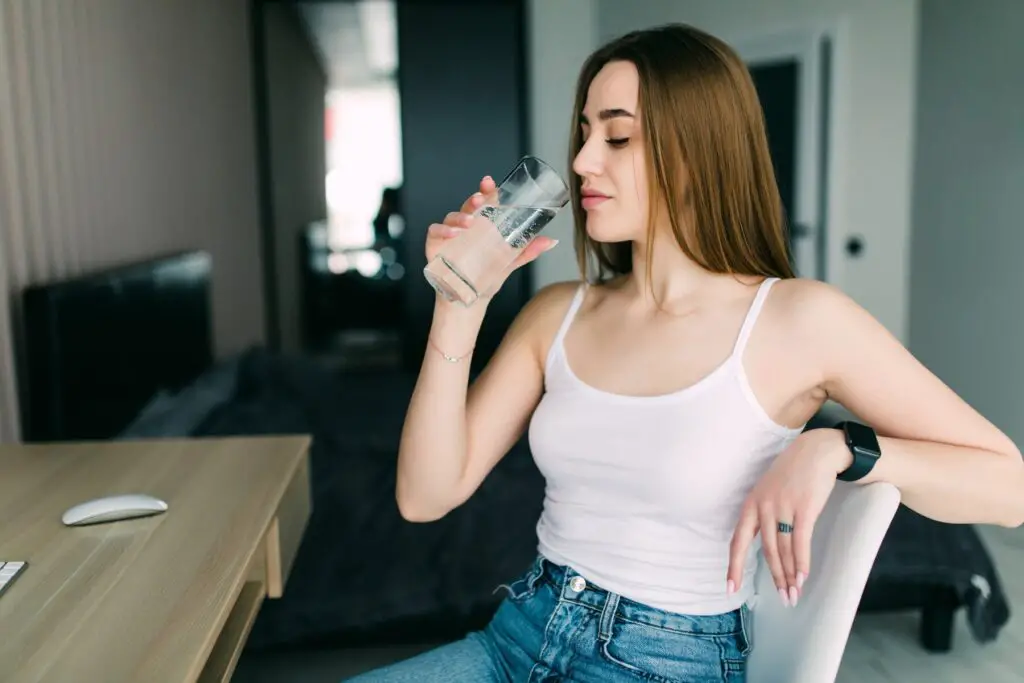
x,y
474,264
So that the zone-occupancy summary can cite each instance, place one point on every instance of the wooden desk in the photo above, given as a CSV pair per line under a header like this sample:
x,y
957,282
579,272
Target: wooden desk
x,y
161,599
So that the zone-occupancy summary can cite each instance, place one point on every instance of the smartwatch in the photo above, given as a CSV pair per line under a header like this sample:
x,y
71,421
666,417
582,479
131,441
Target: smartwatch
x,y
863,444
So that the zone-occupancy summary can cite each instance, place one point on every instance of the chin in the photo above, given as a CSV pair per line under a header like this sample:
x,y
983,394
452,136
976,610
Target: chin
x,y
606,232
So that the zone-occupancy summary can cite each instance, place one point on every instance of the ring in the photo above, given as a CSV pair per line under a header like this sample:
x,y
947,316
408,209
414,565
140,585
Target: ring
x,y
785,528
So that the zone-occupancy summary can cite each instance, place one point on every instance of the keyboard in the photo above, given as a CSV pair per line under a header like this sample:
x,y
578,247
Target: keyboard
x,y
9,571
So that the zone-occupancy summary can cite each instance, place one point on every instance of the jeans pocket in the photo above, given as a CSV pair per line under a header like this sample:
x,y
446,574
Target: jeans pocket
x,y
656,654
525,586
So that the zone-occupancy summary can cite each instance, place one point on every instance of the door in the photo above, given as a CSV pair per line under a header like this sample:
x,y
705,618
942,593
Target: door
x,y
791,74
463,93
777,86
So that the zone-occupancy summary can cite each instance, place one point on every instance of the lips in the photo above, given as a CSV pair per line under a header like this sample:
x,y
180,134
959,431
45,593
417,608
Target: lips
x,y
592,199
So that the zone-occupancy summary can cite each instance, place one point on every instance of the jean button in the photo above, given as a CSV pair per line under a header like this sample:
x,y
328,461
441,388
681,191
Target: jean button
x,y
577,584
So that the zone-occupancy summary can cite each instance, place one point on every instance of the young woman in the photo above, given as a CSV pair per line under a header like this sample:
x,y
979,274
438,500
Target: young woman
x,y
665,399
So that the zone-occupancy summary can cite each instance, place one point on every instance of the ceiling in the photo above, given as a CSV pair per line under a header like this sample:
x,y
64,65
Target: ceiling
x,y
356,39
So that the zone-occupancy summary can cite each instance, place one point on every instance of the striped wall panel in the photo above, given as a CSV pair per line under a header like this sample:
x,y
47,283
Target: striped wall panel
x,y
126,131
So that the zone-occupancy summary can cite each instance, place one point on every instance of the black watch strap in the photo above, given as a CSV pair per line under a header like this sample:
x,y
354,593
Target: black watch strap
x,y
863,445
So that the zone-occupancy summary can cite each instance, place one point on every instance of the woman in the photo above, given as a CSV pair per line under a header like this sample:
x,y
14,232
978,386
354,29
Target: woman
x,y
665,400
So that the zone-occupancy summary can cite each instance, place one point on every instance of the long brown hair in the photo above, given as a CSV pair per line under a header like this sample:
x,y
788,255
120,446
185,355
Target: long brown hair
x,y
701,113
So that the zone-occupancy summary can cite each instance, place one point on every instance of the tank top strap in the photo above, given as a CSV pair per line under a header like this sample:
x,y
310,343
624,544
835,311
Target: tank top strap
x,y
752,315
577,301
556,348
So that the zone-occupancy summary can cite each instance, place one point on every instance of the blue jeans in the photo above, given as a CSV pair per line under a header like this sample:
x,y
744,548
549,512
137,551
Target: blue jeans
x,y
554,626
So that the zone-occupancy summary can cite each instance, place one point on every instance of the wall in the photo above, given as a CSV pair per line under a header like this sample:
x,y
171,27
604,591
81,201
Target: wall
x,y
560,36
968,204
296,87
125,132
872,127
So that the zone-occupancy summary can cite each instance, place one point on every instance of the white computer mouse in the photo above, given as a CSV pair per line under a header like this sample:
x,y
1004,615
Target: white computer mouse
x,y
113,509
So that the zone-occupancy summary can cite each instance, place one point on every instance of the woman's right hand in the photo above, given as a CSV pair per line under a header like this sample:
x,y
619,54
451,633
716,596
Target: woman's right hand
x,y
457,221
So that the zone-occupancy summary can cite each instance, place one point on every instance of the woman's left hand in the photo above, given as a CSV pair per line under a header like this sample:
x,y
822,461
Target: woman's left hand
x,y
784,506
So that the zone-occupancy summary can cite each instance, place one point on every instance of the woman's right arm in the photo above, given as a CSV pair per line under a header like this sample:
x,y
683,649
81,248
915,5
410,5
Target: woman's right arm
x,y
454,434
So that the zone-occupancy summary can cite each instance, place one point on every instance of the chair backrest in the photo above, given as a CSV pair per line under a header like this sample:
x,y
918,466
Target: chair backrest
x,y
805,644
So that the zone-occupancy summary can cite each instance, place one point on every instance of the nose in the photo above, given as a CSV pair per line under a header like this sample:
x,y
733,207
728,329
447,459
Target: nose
x,y
588,160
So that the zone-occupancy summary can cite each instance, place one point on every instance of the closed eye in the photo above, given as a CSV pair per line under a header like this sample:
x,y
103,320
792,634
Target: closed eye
x,y
617,142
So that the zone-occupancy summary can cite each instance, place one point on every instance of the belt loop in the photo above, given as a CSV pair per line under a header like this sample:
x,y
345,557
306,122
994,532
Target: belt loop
x,y
536,571
747,628
611,606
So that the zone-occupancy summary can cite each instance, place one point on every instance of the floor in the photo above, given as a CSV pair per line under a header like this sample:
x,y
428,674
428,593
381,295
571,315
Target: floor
x,y
883,648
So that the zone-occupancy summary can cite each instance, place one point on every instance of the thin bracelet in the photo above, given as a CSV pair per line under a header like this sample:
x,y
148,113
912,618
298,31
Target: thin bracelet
x,y
450,359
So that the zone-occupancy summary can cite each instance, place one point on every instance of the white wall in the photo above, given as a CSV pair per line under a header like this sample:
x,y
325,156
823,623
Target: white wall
x,y
872,116
561,34
969,205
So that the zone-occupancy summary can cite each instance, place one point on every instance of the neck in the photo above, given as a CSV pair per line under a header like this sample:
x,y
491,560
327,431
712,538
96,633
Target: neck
x,y
671,276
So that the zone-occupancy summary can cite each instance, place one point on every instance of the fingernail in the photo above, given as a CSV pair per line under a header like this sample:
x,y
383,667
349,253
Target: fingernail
x,y
487,177
800,578
730,587
551,246
794,597
784,596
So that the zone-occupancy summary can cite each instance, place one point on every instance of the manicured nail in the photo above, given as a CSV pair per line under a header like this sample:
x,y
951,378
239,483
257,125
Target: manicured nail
x,y
487,177
784,596
800,578
551,246
730,587
794,597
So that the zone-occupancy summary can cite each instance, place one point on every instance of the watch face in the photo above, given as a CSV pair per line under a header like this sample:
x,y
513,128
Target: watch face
x,y
863,438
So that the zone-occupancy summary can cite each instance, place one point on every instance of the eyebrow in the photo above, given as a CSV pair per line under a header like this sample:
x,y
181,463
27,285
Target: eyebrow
x,y
608,114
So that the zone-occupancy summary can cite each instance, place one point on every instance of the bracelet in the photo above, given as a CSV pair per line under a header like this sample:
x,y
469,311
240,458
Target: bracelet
x,y
450,359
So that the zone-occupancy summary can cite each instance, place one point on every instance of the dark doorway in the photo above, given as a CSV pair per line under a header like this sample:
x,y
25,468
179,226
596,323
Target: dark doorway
x,y
792,75
463,117
456,111
777,85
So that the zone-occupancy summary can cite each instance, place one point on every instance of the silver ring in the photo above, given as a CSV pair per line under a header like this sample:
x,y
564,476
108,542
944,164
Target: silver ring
x,y
785,528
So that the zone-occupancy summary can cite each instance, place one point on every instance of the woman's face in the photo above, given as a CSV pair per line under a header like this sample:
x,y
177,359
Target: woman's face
x,y
611,162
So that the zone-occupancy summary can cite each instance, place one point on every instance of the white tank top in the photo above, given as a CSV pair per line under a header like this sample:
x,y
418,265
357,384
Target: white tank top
x,y
643,493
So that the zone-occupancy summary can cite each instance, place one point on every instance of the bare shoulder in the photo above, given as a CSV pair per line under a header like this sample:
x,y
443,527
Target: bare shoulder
x,y
539,320
551,302
796,294
828,331
558,294
815,310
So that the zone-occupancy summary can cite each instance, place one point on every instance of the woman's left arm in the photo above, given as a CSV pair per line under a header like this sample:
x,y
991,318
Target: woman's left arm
x,y
949,463
947,460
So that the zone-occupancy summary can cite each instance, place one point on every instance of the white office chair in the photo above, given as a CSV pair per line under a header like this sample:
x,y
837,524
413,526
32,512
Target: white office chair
x,y
805,644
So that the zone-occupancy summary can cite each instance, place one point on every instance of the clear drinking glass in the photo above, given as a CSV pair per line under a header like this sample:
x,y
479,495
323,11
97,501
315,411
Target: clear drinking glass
x,y
474,263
